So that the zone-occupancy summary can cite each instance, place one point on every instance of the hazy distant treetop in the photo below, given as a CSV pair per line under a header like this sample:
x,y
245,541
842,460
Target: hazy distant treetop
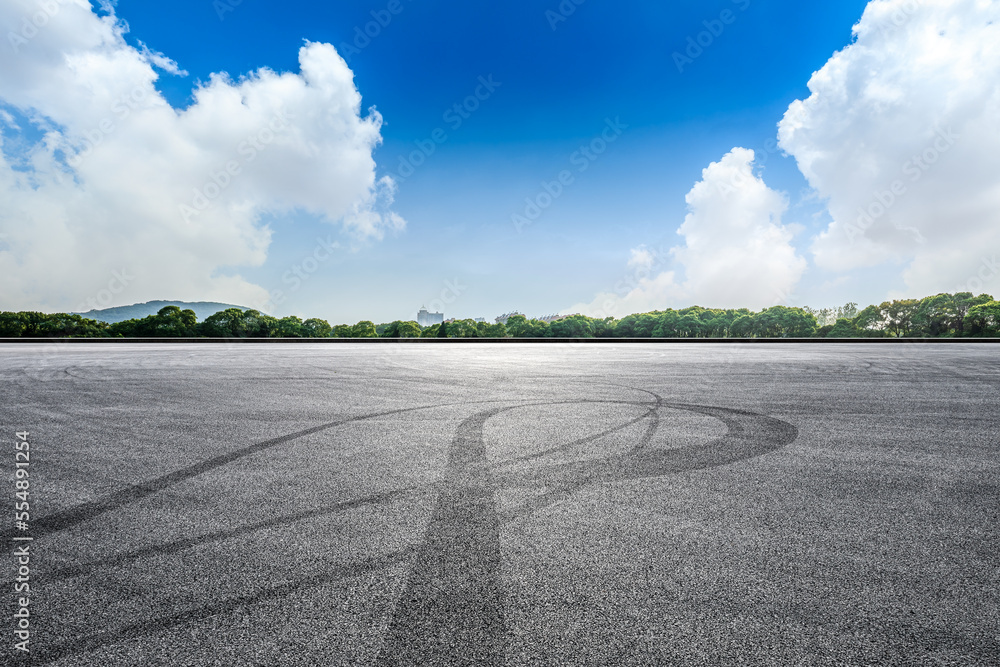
x,y
938,316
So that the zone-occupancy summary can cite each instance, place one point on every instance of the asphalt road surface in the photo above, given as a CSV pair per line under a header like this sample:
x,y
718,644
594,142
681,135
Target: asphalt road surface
x,y
632,504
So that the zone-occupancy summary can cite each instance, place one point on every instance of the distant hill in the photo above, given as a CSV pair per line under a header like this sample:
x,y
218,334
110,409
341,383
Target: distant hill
x,y
139,310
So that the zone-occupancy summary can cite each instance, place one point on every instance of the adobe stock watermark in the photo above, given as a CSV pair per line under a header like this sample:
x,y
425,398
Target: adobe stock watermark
x,y
454,116
761,155
654,261
301,271
120,280
986,273
914,169
452,292
782,296
221,178
223,7
32,24
121,109
370,31
899,17
562,13
698,44
582,159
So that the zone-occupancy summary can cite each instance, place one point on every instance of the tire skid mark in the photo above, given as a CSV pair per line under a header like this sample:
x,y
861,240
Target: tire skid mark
x,y
452,611
68,518
748,435
288,519
177,546
588,439
453,608
740,443
159,624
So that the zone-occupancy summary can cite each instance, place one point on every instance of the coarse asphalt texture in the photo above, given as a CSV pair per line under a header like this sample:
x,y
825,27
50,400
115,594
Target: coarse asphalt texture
x,y
640,504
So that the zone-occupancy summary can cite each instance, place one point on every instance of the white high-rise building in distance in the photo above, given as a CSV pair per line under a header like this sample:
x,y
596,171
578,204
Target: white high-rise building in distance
x,y
427,319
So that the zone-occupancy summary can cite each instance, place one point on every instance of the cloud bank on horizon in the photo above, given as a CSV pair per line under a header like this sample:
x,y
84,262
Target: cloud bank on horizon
x,y
97,170
898,137
736,252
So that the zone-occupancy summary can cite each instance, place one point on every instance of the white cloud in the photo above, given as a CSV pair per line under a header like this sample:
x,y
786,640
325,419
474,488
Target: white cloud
x,y
163,62
641,258
736,252
900,135
120,180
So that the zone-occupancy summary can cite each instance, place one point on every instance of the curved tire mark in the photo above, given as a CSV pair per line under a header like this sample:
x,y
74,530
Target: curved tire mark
x,y
453,604
154,626
68,518
749,435
452,611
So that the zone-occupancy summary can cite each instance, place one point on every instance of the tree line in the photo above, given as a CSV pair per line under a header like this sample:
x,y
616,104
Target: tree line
x,y
960,315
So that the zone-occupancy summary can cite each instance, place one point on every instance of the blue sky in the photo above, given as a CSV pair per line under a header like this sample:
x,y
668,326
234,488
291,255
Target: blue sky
x,y
557,78
558,86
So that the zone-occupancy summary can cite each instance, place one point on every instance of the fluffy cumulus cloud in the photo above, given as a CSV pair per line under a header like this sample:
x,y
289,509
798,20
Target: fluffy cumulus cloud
x,y
736,250
107,188
900,136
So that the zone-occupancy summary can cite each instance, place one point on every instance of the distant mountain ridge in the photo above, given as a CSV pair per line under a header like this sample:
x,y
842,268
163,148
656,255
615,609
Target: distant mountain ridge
x,y
202,309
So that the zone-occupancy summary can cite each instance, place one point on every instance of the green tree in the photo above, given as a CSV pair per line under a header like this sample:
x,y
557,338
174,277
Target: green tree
x,y
363,329
129,328
944,315
10,325
722,321
173,322
645,324
640,325
226,323
409,329
390,330
236,323
537,329
869,324
689,326
168,322
667,326
342,331
290,327
259,325
400,329
847,312
23,324
844,328
463,329
784,322
517,325
498,330
964,302
63,325
742,326
983,320
316,328
605,328
575,326
898,316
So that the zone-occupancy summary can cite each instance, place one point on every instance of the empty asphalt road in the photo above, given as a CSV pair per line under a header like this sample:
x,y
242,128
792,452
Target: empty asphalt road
x,y
625,504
